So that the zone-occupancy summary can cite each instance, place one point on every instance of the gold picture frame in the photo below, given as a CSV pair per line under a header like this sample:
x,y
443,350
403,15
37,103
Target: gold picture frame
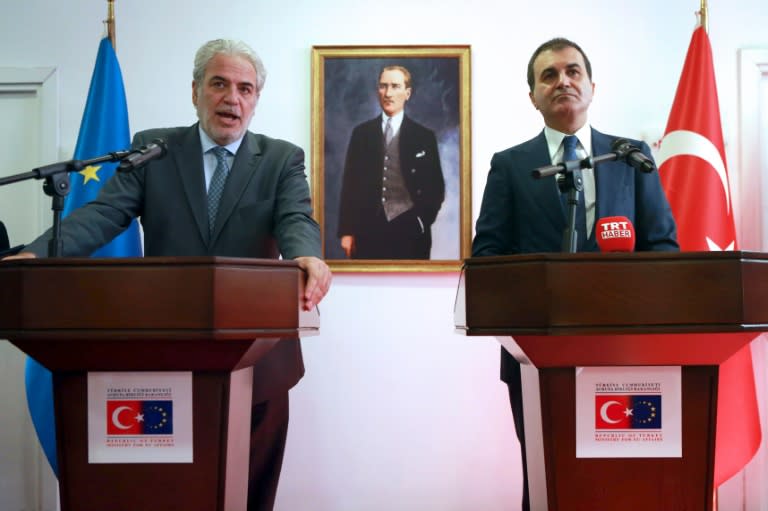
x,y
344,98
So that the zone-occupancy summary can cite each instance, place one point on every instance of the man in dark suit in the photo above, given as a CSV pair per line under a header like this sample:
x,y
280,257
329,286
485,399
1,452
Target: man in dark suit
x,y
264,212
520,214
393,183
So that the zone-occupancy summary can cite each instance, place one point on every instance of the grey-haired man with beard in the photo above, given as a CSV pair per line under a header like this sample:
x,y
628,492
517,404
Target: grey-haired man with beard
x,y
262,210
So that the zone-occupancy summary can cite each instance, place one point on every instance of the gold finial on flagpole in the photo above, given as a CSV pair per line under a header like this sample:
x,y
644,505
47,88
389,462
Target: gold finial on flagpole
x,y
703,16
110,21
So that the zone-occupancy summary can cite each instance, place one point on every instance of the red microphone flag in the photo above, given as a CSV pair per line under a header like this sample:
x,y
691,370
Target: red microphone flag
x,y
615,234
694,175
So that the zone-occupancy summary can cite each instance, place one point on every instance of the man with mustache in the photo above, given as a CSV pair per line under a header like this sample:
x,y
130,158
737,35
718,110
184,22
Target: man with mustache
x,y
520,214
264,211
393,183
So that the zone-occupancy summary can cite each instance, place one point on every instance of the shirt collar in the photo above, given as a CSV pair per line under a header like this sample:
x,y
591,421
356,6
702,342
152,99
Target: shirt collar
x,y
397,120
555,139
207,142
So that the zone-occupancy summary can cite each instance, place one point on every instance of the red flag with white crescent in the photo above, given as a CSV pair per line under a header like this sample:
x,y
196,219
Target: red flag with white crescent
x,y
694,174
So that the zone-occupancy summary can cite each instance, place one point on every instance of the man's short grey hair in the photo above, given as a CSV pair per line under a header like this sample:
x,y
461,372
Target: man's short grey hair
x,y
232,48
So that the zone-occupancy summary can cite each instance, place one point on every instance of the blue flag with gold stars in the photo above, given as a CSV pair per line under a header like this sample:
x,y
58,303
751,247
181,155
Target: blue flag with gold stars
x,y
104,129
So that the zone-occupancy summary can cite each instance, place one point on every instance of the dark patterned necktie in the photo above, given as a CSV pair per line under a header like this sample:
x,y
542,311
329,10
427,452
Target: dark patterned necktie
x,y
570,143
216,187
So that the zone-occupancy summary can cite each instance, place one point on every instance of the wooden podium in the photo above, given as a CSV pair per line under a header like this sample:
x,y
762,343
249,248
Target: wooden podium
x,y
212,316
555,312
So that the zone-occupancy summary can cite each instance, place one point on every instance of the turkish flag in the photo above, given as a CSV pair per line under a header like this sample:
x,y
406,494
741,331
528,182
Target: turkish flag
x,y
123,417
694,174
613,412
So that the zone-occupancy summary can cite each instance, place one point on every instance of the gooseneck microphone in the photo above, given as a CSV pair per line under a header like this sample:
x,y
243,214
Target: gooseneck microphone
x,y
137,158
621,149
615,234
632,155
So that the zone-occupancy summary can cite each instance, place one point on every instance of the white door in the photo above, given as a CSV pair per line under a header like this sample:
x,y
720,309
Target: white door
x,y
747,490
29,134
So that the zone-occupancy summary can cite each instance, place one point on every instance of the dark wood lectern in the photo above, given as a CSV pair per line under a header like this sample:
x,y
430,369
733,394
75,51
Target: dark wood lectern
x,y
212,316
556,312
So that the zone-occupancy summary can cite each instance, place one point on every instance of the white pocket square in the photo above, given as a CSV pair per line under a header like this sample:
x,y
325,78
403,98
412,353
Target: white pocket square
x,y
421,154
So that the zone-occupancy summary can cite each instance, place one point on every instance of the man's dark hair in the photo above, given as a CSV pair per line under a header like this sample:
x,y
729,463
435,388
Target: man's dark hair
x,y
556,44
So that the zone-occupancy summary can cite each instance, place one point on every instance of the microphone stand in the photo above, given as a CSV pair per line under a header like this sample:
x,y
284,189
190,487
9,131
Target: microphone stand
x,y
56,185
570,180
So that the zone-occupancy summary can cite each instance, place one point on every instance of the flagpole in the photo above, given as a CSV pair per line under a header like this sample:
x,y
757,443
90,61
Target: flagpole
x,y
703,16
110,21
704,22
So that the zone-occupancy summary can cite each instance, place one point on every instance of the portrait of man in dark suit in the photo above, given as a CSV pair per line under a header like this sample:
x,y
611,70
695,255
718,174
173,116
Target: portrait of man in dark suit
x,y
398,199
393,184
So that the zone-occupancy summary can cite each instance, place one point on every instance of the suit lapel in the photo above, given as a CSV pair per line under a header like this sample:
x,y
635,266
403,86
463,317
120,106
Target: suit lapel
x,y
243,169
545,190
605,173
189,164
407,141
377,135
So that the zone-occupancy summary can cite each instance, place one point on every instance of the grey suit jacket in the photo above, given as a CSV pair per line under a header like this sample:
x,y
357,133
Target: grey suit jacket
x,y
265,211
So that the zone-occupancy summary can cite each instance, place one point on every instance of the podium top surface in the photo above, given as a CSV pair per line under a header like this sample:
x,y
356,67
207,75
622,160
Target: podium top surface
x,y
613,293
159,298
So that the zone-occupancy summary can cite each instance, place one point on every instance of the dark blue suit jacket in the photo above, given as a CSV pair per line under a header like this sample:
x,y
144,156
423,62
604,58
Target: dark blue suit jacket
x,y
520,214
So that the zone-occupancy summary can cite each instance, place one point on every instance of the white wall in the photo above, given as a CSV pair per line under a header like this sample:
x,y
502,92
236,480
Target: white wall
x,y
396,410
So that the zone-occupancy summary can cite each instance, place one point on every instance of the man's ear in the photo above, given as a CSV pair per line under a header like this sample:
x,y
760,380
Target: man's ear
x,y
533,101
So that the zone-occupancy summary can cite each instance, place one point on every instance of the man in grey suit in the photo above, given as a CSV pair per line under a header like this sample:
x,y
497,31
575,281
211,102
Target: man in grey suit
x,y
393,183
264,211
520,214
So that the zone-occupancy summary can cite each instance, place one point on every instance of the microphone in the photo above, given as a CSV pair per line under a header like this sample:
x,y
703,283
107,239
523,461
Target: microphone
x,y
621,149
137,158
615,234
632,155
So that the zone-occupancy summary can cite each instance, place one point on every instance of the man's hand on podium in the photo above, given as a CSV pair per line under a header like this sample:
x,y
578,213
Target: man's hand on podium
x,y
318,280
20,255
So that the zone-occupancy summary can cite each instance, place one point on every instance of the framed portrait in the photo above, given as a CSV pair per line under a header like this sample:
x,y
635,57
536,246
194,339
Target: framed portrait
x,y
391,156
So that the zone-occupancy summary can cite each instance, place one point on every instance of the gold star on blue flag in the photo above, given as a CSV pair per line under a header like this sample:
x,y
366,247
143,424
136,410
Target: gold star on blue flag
x,y
91,172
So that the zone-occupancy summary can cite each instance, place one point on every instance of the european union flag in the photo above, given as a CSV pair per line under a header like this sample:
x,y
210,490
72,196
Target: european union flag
x,y
646,412
158,417
104,129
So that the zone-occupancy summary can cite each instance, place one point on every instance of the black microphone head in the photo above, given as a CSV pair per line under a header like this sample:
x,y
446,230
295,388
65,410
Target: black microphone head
x,y
621,146
139,157
624,150
160,143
